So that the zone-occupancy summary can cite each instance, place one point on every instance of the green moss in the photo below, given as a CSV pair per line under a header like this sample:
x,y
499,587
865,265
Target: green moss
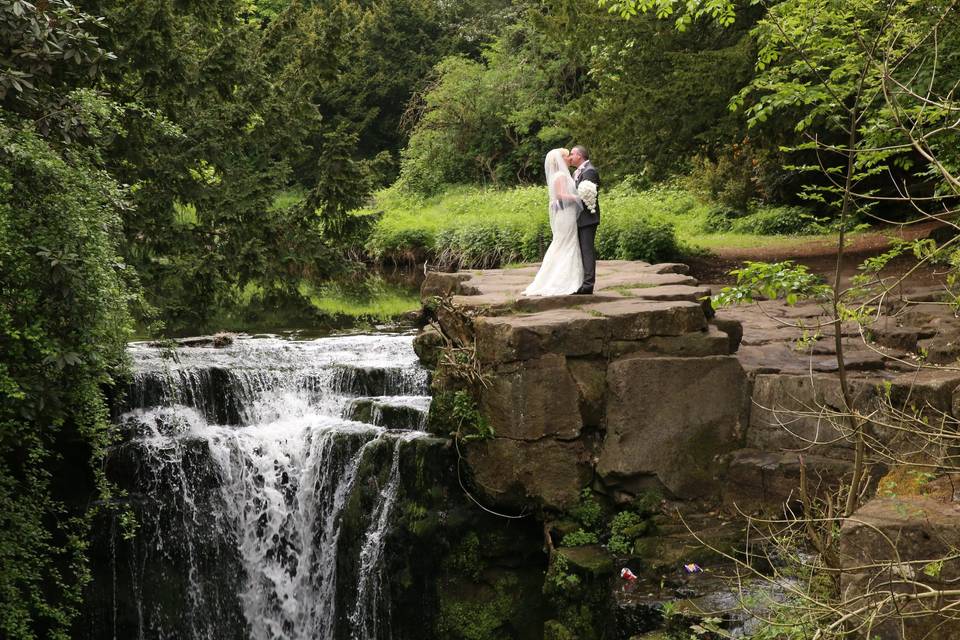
x,y
555,630
479,616
576,595
465,558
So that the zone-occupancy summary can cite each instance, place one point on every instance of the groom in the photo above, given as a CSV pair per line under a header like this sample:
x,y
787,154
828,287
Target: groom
x,y
588,221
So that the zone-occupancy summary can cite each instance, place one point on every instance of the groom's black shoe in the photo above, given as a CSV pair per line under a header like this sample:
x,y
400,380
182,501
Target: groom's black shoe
x,y
584,291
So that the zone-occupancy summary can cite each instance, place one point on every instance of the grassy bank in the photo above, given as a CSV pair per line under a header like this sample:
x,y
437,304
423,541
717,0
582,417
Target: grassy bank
x,y
474,227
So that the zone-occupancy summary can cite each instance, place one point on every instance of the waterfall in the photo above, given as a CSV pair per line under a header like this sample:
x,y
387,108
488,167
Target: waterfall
x,y
253,469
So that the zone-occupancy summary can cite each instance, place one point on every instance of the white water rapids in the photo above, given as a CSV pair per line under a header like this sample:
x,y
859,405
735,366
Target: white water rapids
x,y
254,446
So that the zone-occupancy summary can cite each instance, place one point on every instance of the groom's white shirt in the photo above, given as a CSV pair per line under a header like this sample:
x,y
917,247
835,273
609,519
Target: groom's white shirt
x,y
580,169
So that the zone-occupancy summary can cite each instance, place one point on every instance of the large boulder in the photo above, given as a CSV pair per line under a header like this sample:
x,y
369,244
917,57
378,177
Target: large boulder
x,y
671,419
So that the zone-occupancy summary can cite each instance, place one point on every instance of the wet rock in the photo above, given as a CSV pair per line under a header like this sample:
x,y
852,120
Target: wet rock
x,y
671,418
223,340
383,412
427,346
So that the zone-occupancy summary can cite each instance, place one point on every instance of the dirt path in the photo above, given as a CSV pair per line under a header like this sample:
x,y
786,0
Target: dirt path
x,y
820,255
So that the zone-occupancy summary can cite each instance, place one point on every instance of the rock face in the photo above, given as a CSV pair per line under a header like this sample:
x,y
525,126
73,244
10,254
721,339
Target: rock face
x,y
631,387
794,388
642,386
669,418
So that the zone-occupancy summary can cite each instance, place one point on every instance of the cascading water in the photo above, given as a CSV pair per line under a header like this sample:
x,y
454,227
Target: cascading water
x,y
248,462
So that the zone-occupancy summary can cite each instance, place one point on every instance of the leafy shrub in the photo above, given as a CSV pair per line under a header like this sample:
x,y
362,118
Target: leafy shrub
x,y
741,174
472,425
579,538
785,220
623,531
64,322
588,511
720,219
643,240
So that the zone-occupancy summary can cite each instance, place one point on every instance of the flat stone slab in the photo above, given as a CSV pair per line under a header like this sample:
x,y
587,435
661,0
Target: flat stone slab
x,y
499,290
632,302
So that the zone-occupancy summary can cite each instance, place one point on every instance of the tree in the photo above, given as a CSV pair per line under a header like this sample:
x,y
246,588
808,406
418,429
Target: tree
x,y
874,97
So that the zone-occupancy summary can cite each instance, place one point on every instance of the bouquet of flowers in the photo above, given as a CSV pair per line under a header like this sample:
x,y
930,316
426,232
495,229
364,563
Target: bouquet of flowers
x,y
588,193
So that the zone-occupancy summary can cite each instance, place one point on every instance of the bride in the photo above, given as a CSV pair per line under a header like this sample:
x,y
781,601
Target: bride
x,y
561,272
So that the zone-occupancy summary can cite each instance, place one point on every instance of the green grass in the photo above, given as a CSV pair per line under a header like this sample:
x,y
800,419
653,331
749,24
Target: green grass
x,y
475,227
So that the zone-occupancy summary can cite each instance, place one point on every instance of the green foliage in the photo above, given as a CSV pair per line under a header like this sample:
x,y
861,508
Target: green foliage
x,y
780,220
485,121
786,280
741,174
575,600
471,425
579,538
50,48
65,296
465,559
470,227
622,532
559,578
653,97
478,618
588,511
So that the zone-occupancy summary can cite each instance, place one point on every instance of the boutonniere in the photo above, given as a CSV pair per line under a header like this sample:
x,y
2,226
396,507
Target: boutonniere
x,y
588,193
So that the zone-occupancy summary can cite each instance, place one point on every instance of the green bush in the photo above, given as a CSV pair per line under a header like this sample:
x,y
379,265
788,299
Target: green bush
x,y
719,219
65,296
785,220
588,511
624,529
579,538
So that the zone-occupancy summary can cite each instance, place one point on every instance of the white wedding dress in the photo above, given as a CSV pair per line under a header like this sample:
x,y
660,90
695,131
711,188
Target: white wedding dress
x,y
561,272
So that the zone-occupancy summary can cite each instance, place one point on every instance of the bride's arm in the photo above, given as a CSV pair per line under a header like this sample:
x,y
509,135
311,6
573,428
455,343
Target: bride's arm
x,y
560,188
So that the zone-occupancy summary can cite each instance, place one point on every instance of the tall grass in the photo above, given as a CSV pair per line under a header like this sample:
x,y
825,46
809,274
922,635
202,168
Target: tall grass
x,y
474,227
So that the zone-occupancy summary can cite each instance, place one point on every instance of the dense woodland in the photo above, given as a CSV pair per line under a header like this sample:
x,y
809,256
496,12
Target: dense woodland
x,y
160,159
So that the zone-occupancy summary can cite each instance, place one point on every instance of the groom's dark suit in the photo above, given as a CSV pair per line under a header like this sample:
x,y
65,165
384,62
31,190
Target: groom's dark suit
x,y
587,226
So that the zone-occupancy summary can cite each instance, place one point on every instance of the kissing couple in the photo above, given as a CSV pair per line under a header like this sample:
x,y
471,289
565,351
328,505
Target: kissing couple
x,y
570,264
